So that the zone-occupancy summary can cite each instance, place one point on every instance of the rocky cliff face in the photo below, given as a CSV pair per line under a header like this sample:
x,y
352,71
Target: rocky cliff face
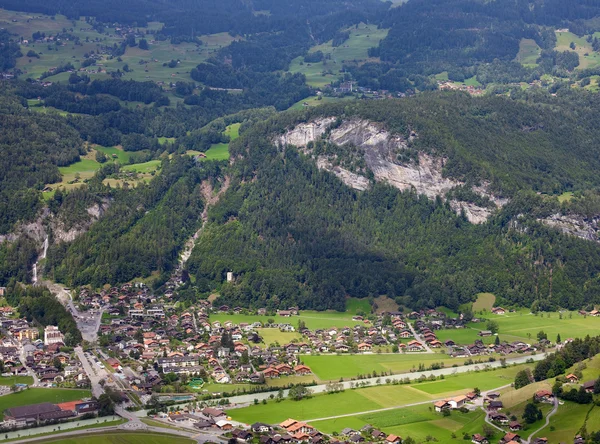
x,y
575,225
381,152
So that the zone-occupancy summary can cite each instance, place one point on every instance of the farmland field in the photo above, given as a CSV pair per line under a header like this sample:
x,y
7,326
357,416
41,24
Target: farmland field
x,y
123,438
568,420
38,395
418,422
524,325
313,319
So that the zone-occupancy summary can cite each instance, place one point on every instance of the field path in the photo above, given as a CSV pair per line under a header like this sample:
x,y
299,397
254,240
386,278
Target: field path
x,y
366,412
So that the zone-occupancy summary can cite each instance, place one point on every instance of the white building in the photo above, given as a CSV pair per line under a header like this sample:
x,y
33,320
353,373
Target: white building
x,y
52,335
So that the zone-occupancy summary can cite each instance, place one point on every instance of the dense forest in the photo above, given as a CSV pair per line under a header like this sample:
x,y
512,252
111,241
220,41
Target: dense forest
x,y
142,231
295,235
31,150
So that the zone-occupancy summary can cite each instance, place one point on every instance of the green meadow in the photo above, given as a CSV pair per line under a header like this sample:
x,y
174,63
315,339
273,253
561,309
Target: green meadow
x,y
10,380
353,50
220,151
321,410
313,319
587,57
418,422
529,52
523,325
124,438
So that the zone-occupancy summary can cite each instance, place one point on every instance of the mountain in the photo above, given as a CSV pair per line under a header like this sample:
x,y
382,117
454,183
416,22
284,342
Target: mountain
x,y
293,232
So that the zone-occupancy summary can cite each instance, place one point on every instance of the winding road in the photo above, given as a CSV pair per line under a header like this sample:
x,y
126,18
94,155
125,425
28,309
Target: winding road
x,y
552,412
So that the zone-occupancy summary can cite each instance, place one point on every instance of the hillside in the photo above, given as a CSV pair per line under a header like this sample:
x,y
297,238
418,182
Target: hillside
x,y
294,234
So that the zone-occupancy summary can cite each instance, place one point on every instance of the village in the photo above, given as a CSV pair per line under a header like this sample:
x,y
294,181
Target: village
x,y
156,353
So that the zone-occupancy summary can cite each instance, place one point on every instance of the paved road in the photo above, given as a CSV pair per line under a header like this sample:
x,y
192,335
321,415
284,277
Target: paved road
x,y
552,412
419,338
95,378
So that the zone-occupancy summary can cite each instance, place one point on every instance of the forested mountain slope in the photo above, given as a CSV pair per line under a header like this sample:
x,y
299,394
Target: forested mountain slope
x,y
293,234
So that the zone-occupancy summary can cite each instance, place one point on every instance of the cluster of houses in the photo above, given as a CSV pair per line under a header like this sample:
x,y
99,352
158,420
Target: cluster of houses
x,y
25,351
451,86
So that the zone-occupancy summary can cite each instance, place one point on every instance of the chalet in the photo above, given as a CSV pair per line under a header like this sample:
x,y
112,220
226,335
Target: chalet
x,y
363,347
498,417
514,426
498,310
572,378
578,440
494,406
441,405
544,396
479,439
457,402
414,346
259,427
484,333
393,439
540,441
594,313
449,343
302,370
224,425
270,372
511,436
405,334
588,386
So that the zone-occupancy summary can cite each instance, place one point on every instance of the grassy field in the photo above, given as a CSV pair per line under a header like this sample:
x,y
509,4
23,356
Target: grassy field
x,y
417,422
568,421
463,336
123,438
524,326
10,380
38,395
220,151
273,335
114,153
354,50
313,319
329,367
143,168
88,165
315,101
354,305
587,57
529,52
485,301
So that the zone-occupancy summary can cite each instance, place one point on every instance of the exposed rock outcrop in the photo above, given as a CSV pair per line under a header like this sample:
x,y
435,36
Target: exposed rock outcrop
x,y
574,225
381,153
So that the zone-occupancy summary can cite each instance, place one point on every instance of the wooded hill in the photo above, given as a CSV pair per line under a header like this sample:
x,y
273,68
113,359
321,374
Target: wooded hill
x,y
293,234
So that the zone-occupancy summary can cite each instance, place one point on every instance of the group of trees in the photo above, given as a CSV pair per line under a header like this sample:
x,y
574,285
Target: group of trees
x,y
38,305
